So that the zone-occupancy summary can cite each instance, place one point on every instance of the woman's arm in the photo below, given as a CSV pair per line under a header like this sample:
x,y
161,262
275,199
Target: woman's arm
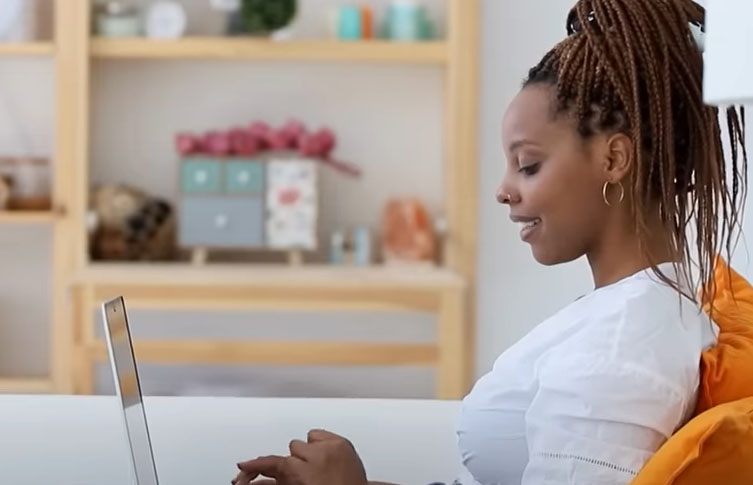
x,y
598,420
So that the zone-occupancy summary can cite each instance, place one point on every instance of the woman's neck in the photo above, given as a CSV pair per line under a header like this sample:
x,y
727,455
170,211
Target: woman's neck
x,y
619,254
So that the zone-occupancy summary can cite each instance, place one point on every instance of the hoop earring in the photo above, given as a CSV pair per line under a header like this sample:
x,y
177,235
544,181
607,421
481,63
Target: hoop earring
x,y
604,193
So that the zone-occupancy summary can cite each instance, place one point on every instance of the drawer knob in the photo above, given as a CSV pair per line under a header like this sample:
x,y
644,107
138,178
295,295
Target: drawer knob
x,y
221,220
201,177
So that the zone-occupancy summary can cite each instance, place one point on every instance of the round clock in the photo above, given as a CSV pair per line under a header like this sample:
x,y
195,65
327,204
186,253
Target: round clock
x,y
165,20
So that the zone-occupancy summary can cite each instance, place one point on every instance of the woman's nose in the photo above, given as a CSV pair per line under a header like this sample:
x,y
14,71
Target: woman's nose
x,y
506,195
502,196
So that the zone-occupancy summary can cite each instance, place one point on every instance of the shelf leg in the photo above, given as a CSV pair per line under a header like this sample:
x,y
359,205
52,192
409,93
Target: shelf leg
x,y
84,373
452,375
295,257
199,256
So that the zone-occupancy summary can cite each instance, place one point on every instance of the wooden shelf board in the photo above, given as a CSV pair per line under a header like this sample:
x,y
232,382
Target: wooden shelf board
x,y
276,353
27,217
434,52
27,49
25,385
269,276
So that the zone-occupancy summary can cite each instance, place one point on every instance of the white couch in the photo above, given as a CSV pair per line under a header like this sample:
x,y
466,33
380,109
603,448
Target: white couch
x,y
67,440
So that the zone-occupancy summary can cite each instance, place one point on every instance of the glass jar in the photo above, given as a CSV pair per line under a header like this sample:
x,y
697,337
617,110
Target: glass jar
x,y
31,187
117,19
407,20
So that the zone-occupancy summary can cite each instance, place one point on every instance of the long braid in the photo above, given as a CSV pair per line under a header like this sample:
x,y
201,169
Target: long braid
x,y
633,66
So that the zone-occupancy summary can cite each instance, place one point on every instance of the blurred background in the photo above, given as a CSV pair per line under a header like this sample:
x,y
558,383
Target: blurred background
x,y
275,173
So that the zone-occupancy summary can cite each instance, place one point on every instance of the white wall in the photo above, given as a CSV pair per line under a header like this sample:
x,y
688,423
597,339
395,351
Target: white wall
x,y
26,128
515,293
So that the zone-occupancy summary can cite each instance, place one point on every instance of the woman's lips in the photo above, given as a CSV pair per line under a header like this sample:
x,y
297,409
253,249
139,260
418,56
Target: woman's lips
x,y
528,226
528,229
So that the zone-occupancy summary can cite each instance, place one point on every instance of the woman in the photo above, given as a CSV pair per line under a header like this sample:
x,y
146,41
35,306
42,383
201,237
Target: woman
x,y
610,154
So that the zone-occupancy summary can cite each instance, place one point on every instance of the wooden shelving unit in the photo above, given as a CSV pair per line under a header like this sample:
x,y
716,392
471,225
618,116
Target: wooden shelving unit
x,y
27,217
26,385
265,50
233,287
62,52
277,276
81,285
27,49
309,288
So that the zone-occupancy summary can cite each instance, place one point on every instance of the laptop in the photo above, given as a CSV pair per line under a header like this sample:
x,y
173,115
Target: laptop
x,y
128,389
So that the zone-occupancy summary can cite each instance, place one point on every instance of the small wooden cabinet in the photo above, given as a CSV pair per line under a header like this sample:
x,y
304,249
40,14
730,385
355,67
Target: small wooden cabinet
x,y
269,202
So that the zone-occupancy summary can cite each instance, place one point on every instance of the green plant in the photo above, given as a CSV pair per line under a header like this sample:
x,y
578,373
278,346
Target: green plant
x,y
264,16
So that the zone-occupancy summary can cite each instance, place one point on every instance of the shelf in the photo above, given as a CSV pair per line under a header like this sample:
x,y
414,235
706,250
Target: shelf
x,y
25,385
276,353
282,276
435,52
244,287
27,217
27,49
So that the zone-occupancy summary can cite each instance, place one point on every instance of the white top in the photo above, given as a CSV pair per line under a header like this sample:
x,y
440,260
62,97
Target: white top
x,y
590,394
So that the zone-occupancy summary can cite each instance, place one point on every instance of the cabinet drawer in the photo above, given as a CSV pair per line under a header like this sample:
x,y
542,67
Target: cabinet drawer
x,y
221,222
244,177
201,176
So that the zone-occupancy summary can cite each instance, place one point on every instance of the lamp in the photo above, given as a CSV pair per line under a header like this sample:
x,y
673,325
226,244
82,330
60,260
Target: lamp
x,y
728,76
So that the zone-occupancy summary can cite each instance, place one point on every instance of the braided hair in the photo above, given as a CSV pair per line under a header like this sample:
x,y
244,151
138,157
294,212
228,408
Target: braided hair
x,y
633,66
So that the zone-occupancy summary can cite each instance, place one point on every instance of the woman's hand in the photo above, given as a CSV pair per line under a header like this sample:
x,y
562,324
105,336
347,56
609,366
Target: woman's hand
x,y
325,459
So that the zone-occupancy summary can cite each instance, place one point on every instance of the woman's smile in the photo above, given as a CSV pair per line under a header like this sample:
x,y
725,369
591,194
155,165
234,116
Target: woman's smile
x,y
528,226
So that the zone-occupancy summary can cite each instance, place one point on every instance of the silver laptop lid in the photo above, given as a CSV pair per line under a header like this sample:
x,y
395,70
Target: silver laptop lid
x,y
128,388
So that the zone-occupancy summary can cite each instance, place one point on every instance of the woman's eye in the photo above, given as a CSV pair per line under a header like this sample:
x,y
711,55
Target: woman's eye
x,y
529,170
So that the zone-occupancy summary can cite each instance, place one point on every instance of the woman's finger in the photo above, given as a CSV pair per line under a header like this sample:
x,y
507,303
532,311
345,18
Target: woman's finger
x,y
242,479
301,449
322,435
269,466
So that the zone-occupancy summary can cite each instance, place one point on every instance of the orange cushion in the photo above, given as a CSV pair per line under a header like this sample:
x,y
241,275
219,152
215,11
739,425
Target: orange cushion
x,y
717,445
727,368
713,448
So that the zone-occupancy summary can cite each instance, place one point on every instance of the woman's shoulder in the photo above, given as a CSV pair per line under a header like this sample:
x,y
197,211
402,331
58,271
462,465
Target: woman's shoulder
x,y
643,302
644,323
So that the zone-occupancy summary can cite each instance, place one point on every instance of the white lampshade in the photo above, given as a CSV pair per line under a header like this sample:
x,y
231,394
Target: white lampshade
x,y
728,71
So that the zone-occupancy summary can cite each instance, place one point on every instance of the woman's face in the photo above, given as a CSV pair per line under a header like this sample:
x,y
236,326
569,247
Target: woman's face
x,y
553,178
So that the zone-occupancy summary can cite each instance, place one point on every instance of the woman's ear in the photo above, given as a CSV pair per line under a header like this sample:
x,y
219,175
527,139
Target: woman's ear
x,y
620,156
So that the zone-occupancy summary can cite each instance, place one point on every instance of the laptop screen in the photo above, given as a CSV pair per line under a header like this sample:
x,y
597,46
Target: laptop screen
x,y
126,375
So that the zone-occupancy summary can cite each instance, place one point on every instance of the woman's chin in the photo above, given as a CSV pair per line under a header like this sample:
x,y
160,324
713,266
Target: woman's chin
x,y
548,257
